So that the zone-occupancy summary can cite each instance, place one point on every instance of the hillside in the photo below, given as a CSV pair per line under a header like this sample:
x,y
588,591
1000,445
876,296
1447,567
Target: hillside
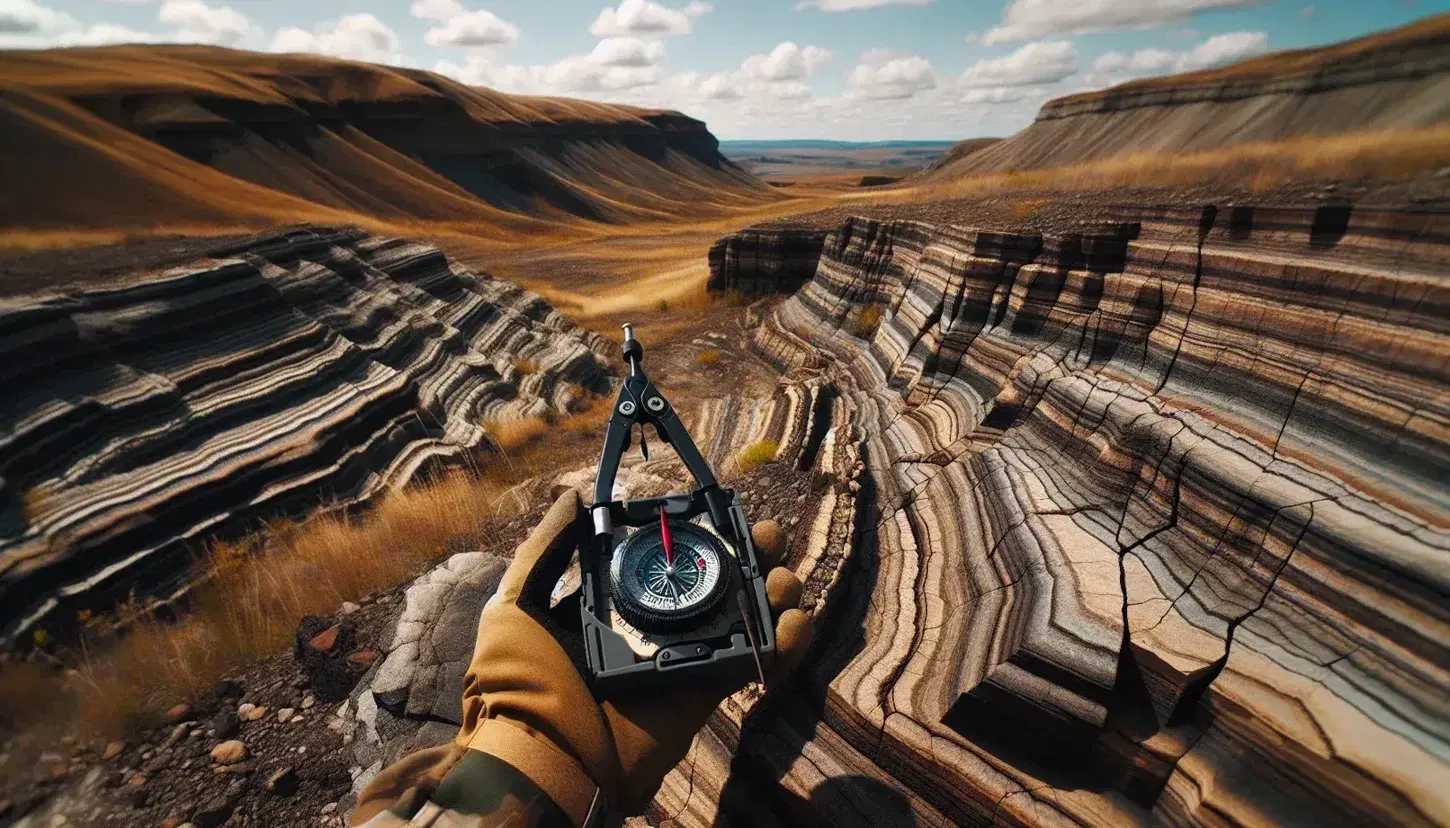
x,y
141,137
1398,79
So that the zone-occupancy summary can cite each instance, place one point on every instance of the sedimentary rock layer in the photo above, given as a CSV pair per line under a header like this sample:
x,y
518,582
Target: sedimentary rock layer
x,y
1388,80
312,366
765,261
1158,529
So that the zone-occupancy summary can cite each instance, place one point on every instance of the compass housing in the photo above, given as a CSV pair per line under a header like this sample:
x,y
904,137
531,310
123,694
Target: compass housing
x,y
654,596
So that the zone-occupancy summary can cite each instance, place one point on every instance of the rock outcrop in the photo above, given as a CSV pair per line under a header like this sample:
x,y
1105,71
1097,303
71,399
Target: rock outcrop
x,y
125,137
758,260
1155,530
312,366
1388,80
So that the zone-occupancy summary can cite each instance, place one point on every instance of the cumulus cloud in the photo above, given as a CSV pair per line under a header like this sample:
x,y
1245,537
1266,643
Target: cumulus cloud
x,y
26,17
628,51
25,24
786,62
886,75
574,75
853,5
353,36
1215,51
645,18
197,22
440,10
999,95
1026,19
471,29
1045,61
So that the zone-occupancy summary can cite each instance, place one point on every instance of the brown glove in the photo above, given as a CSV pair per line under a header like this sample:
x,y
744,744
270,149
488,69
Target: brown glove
x,y
526,702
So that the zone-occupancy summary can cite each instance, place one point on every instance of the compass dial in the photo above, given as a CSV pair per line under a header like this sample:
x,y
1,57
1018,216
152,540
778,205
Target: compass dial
x,y
669,578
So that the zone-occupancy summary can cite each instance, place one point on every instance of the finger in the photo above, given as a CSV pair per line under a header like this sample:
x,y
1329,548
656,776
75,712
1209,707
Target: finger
x,y
769,543
541,560
782,590
794,633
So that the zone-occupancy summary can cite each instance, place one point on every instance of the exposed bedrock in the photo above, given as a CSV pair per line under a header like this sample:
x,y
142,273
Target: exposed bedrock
x,y
1155,528
310,367
757,260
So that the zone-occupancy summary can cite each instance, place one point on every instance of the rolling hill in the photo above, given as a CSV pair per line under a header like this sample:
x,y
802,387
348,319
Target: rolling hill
x,y
142,137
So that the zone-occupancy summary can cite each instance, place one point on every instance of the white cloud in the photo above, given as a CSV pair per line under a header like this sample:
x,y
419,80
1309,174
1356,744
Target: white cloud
x,y
26,17
197,22
1046,61
440,10
719,88
472,29
787,61
628,51
1141,61
999,95
645,18
853,5
885,75
106,34
574,75
1026,19
1115,67
353,36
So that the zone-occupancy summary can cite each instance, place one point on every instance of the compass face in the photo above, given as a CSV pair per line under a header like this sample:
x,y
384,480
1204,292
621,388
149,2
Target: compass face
x,y
659,593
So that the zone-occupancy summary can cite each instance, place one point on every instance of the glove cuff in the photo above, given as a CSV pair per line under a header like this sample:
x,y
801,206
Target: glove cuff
x,y
557,774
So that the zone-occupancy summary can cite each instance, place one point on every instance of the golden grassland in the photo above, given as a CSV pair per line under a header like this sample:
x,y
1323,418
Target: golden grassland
x,y
1260,167
259,587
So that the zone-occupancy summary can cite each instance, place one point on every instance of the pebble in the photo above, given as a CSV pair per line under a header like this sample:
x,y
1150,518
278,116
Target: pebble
x,y
285,714
113,750
307,702
348,608
251,712
178,713
229,753
329,807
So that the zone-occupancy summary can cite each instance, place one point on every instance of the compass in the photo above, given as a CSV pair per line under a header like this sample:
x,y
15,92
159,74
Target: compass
x,y
669,577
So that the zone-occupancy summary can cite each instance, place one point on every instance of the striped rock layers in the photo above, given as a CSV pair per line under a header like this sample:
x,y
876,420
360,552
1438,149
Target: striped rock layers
x,y
139,419
765,261
1159,528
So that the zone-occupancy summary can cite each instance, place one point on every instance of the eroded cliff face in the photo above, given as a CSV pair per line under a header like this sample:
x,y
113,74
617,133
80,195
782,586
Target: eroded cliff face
x,y
1388,80
316,365
1154,529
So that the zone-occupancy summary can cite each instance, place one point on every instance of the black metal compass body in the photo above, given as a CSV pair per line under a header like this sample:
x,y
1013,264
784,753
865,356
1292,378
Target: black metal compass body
x,y
672,589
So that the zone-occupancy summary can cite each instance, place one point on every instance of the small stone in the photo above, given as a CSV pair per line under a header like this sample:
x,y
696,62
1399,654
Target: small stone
x,y
283,781
363,658
329,807
113,749
285,714
178,713
251,712
307,702
348,608
302,748
324,641
226,723
229,753
177,734
156,763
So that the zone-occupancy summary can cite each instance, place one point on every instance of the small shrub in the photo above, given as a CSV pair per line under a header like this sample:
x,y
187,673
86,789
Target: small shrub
x,y
708,358
869,320
756,455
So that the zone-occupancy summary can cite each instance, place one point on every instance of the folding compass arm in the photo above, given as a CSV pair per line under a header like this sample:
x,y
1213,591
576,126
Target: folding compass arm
x,y
640,403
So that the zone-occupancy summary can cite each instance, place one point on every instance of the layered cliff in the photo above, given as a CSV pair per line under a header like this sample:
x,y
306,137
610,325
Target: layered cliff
x,y
141,136
312,366
1154,530
1389,80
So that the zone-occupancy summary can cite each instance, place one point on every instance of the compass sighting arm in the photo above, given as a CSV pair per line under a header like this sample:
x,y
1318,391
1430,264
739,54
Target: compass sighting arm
x,y
640,402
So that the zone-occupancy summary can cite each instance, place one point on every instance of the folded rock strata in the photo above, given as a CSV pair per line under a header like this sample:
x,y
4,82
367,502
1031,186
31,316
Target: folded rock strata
x,y
317,365
1158,529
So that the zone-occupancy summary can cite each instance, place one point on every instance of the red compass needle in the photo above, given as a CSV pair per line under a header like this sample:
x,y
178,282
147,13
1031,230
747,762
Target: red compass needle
x,y
669,541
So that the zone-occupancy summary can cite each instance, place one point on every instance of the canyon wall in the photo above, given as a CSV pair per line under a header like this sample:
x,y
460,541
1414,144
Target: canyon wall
x,y
1389,80
1153,528
141,136
307,367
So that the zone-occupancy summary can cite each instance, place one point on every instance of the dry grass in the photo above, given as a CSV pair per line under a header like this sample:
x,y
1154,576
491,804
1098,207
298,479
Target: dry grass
x,y
261,586
525,365
869,320
1260,166
708,358
754,456
1027,209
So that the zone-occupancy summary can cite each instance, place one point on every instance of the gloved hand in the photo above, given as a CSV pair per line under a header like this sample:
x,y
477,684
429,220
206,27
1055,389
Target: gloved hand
x,y
526,702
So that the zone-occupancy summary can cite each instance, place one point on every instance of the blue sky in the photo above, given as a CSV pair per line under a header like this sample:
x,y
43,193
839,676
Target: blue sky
x,y
846,69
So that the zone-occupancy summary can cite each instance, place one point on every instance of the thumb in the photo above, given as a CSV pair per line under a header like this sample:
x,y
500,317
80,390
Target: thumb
x,y
540,561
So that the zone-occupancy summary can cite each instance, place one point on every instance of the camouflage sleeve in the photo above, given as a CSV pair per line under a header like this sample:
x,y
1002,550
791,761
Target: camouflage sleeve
x,y
479,791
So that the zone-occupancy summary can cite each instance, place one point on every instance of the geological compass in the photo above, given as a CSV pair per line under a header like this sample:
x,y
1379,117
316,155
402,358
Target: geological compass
x,y
672,588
